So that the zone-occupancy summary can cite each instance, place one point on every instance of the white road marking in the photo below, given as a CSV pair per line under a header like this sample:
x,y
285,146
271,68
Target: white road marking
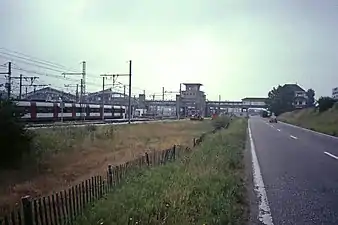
x,y
264,214
316,132
293,137
278,130
329,154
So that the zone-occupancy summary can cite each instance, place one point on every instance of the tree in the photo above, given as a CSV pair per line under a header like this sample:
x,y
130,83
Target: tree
x,y
325,103
311,97
280,100
14,139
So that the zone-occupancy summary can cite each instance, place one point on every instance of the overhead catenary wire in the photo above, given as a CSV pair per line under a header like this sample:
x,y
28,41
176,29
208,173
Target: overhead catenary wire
x,y
35,59
51,66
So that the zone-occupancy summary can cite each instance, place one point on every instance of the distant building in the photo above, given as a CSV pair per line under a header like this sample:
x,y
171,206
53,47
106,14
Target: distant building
x,y
254,101
335,93
50,95
110,97
193,99
300,97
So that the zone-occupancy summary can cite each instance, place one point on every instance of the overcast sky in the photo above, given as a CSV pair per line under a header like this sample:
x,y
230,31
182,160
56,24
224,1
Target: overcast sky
x,y
239,48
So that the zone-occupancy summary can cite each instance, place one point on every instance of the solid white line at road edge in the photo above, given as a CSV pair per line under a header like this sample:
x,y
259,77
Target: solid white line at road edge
x,y
329,154
264,214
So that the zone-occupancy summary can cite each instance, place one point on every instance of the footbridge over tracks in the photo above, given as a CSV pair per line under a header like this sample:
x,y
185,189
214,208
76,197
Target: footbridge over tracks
x,y
209,106
246,103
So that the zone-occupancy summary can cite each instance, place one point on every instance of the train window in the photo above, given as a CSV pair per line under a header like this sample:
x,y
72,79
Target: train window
x,y
45,109
65,109
118,110
95,110
107,110
24,109
79,110
68,110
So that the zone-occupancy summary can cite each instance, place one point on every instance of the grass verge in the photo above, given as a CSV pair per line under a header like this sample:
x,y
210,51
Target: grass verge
x,y
325,122
67,156
204,187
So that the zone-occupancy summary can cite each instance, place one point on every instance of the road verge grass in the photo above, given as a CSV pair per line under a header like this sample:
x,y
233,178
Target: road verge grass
x,y
203,187
325,122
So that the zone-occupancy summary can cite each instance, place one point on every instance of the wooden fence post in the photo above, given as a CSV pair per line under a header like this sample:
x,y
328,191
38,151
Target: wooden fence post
x,y
27,210
147,158
110,176
174,152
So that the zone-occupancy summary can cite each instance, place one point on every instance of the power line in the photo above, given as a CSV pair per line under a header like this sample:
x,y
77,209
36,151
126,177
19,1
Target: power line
x,y
35,59
32,64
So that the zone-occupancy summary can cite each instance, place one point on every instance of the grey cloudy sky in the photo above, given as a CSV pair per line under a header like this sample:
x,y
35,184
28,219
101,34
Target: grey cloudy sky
x,y
236,48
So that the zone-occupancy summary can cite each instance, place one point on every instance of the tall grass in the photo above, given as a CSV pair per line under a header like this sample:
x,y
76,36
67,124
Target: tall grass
x,y
204,187
326,122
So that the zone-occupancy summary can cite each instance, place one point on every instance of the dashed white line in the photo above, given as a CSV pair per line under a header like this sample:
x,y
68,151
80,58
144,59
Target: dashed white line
x,y
291,136
329,154
264,214
278,130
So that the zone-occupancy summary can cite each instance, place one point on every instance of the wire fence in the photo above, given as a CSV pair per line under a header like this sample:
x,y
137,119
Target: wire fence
x,y
63,207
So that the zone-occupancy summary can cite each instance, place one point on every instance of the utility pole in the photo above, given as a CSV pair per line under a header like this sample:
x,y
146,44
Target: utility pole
x,y
115,76
103,78
20,93
26,78
129,103
84,77
83,85
9,85
162,101
219,104
179,103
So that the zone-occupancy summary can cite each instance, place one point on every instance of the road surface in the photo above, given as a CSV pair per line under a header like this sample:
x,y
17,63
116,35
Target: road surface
x,y
295,176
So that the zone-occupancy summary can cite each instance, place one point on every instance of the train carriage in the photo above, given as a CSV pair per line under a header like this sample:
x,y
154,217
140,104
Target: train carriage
x,y
53,112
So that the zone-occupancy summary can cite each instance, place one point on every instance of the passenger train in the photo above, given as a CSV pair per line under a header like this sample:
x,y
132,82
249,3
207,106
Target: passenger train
x,y
34,111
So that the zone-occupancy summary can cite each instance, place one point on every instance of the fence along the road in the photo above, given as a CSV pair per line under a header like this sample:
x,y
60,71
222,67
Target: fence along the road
x,y
64,206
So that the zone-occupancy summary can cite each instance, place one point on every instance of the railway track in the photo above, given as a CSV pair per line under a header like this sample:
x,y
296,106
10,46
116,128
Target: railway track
x,y
95,123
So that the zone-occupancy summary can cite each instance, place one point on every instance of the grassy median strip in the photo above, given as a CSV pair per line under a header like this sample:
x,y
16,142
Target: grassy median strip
x,y
203,187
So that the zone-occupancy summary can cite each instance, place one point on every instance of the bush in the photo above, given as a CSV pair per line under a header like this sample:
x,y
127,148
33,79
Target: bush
x,y
14,139
220,121
325,103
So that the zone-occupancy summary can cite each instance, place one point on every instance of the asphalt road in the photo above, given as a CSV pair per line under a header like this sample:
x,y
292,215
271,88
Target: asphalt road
x,y
299,169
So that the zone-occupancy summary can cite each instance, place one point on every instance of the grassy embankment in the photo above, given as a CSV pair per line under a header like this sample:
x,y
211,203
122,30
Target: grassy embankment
x,y
325,122
66,156
203,187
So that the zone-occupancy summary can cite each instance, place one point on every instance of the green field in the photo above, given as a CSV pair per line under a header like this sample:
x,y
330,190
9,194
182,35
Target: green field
x,y
202,187
325,122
